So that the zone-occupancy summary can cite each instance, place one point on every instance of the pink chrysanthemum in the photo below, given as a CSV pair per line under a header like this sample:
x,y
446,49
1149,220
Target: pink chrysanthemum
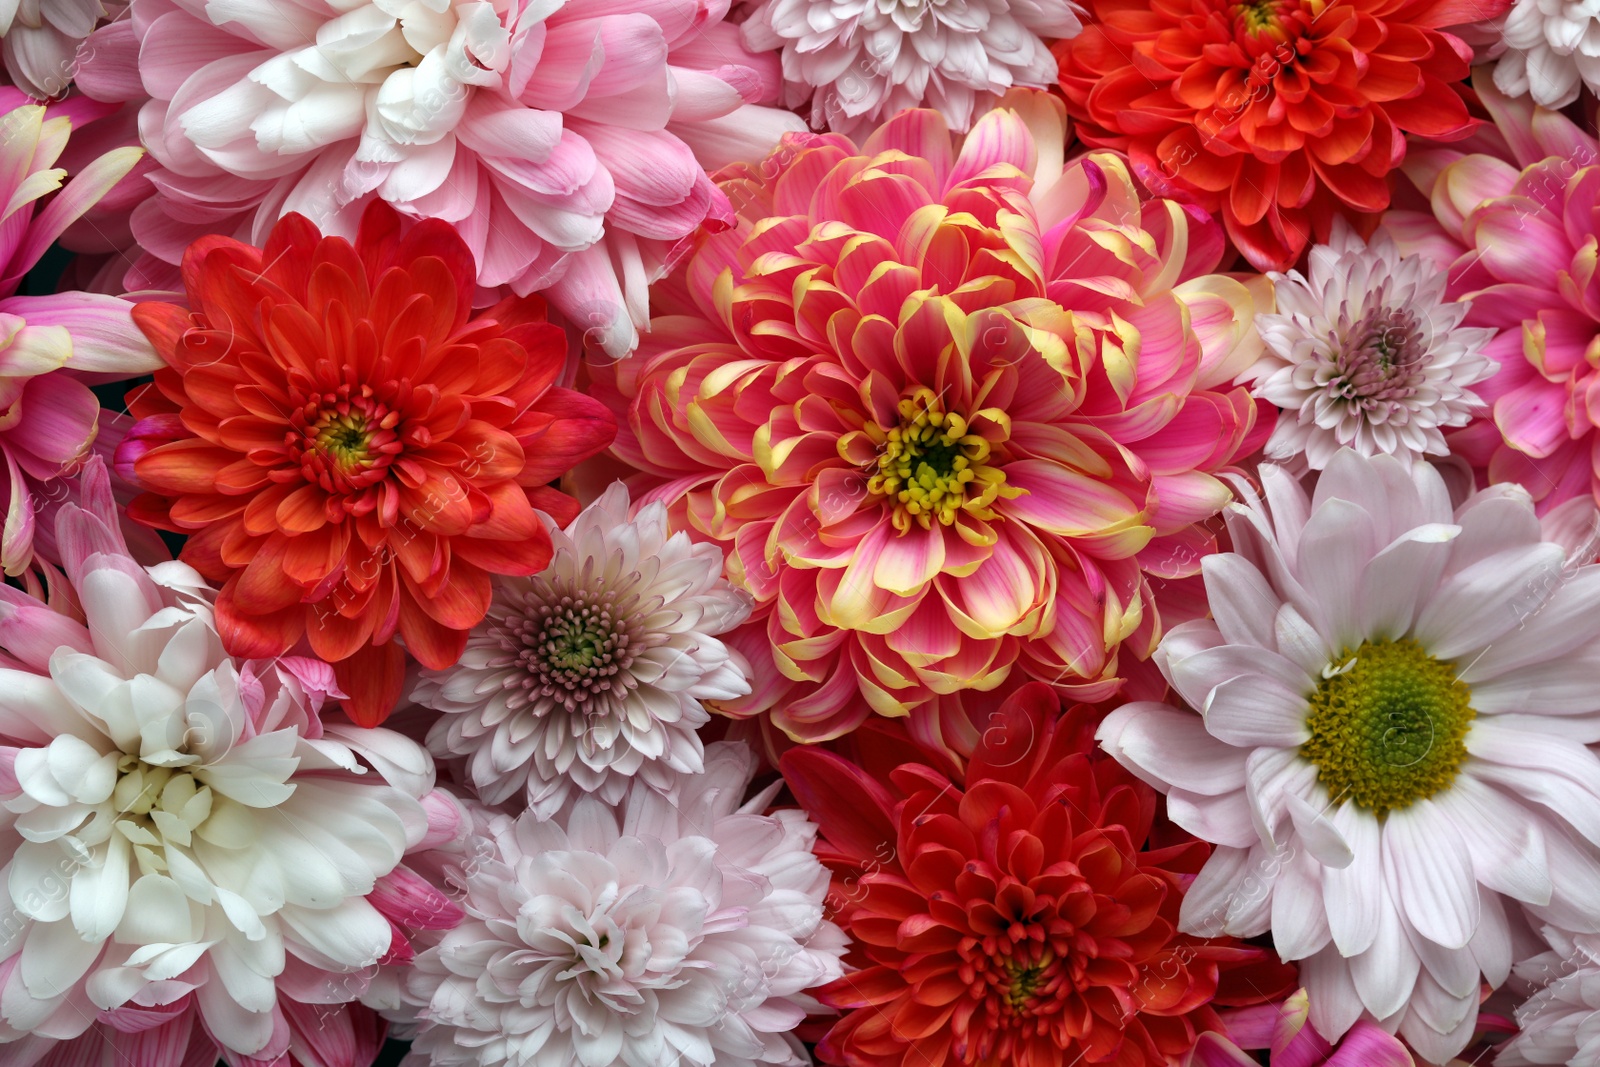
x,y
51,347
592,671
1516,235
564,140
857,62
944,405
645,932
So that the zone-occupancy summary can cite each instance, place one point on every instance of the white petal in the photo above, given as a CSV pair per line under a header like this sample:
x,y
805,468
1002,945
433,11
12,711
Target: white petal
x,y
1395,582
1430,873
1335,1004
100,893
1254,709
1167,747
1503,838
1317,833
1476,606
1231,894
1353,895
1558,773
1299,923
1385,974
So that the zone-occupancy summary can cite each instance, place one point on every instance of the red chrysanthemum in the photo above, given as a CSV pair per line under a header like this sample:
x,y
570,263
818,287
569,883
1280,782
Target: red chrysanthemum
x,y
1015,915
351,449
1279,113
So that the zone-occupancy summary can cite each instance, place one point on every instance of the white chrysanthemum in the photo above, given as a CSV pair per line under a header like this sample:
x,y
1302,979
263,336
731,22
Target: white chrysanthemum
x,y
1366,353
1553,50
1390,755
593,671
179,829
41,41
1560,1022
860,61
640,934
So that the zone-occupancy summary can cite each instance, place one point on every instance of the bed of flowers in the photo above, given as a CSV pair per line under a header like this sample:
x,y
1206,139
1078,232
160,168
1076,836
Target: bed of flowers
x,y
761,533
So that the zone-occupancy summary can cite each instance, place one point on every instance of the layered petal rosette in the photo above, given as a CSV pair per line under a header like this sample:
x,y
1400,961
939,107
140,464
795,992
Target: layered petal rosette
x,y
857,62
1560,1022
351,448
593,671
645,932
1391,753
1017,914
1553,53
1278,114
194,861
51,347
565,140
1365,352
943,405
40,41
1515,233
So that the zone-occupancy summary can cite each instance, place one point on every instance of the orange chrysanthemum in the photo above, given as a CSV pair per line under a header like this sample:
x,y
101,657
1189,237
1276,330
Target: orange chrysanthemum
x,y
350,448
1017,915
1279,113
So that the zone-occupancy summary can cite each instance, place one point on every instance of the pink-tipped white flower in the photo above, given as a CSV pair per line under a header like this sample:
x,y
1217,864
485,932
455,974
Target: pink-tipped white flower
x,y
1560,1022
189,850
1390,752
857,62
567,141
647,932
1364,352
593,671
50,345
41,39
1552,51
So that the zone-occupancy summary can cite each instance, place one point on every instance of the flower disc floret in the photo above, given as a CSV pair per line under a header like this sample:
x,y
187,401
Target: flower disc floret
x,y
1388,727
932,467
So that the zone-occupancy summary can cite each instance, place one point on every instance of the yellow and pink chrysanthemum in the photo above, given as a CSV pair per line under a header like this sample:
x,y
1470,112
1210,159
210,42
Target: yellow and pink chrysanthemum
x,y
947,406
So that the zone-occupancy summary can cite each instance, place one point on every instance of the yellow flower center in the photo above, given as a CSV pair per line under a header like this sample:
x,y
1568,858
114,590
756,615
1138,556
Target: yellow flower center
x,y
1025,978
1389,728
344,438
1258,15
933,468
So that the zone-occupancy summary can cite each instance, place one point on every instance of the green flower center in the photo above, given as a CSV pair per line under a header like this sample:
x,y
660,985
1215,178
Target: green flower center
x,y
933,468
1025,979
344,439
575,641
1258,15
1390,728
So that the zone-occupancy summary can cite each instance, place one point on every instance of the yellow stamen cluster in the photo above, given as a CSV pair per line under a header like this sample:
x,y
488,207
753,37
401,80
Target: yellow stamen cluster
x,y
1389,727
343,438
1258,14
1025,978
933,468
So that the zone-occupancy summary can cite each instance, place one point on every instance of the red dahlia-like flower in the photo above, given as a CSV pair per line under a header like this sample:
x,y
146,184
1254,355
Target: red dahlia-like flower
x,y
1016,917
351,449
1280,113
